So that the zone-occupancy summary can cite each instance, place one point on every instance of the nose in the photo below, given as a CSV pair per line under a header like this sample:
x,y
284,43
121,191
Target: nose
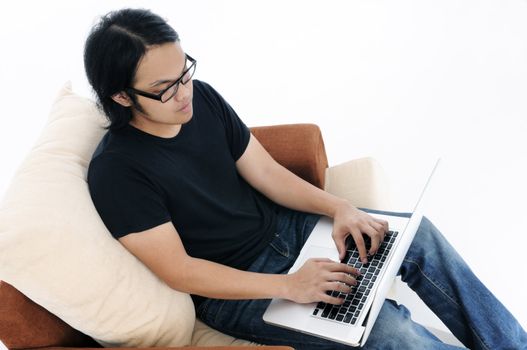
x,y
183,91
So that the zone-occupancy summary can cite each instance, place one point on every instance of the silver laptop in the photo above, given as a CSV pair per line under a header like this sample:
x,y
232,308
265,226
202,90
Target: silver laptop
x,y
351,322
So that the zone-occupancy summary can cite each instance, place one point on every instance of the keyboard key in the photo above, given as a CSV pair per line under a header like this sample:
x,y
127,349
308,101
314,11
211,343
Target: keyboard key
x,y
340,317
326,310
348,317
316,312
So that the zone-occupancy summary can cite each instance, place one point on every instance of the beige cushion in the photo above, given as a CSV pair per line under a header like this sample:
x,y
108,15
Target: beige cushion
x,y
56,250
361,181
205,336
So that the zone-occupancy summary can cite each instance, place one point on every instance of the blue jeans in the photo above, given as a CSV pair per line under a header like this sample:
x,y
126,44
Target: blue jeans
x,y
432,268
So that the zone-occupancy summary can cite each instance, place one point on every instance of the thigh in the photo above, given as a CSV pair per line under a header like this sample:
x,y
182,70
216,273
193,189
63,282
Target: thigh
x,y
243,319
394,328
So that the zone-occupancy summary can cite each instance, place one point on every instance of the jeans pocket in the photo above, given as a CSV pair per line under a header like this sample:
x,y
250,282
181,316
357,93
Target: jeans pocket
x,y
210,311
280,246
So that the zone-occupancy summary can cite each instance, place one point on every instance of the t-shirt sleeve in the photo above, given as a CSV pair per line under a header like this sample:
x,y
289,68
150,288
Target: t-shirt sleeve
x,y
126,200
237,133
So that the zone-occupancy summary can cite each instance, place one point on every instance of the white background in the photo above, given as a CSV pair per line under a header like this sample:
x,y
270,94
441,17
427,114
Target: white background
x,y
401,81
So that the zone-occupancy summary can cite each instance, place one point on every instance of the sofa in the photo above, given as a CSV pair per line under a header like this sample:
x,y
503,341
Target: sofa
x,y
50,298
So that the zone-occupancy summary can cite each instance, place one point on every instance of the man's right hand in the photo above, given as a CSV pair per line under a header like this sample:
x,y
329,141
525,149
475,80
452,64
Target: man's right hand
x,y
317,276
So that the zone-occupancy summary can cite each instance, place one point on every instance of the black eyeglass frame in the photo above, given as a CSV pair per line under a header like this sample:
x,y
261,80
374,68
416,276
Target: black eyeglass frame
x,y
157,97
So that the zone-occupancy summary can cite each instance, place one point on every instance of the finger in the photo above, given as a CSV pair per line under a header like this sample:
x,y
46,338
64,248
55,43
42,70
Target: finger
x,y
337,286
375,239
384,224
361,247
378,227
338,267
331,300
340,242
343,277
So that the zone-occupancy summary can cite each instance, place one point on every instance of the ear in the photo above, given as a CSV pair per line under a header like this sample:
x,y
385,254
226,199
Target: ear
x,y
122,98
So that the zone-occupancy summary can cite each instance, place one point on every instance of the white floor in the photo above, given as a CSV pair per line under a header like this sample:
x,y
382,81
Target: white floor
x,y
401,293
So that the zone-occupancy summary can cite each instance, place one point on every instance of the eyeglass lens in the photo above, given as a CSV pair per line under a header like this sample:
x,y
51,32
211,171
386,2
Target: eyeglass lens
x,y
167,95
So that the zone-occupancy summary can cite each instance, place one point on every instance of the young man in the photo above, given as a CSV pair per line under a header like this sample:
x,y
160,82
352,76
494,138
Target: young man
x,y
179,180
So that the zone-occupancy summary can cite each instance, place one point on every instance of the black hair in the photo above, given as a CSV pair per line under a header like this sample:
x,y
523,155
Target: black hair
x,y
112,52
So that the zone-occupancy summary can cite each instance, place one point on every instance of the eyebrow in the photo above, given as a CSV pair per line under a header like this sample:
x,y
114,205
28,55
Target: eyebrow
x,y
159,82
163,81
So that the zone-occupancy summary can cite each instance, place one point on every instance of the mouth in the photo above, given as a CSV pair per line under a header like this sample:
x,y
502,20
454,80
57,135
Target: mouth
x,y
185,107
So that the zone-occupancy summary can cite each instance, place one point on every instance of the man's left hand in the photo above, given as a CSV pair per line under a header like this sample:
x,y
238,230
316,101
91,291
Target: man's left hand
x,y
348,220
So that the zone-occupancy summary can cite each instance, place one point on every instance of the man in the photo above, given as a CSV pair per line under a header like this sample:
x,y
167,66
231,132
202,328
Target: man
x,y
183,185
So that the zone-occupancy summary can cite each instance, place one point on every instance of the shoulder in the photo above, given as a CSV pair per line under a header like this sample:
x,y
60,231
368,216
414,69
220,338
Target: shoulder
x,y
206,92
110,165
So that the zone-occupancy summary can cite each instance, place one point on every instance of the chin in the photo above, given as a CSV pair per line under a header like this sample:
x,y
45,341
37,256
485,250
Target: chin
x,y
185,119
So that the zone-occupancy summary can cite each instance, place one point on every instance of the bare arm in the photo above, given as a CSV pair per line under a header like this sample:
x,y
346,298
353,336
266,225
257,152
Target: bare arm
x,y
162,251
259,169
282,186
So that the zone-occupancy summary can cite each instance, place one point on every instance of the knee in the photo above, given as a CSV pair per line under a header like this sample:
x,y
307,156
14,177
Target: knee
x,y
427,236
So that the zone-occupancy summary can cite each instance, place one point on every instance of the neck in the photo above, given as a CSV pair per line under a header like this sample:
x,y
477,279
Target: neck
x,y
156,129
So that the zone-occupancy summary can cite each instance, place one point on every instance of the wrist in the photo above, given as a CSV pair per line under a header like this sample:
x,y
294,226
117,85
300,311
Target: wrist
x,y
284,291
338,205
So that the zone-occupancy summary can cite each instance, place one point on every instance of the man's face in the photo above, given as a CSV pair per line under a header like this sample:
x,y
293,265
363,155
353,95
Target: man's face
x,y
160,66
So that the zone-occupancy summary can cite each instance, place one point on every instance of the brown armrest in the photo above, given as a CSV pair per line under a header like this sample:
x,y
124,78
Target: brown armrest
x,y
298,147
23,323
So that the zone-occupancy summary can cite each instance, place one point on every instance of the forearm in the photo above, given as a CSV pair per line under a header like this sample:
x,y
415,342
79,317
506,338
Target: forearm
x,y
291,191
213,280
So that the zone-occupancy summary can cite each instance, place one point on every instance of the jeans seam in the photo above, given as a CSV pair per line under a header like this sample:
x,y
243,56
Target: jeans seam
x,y
202,310
448,296
284,253
438,286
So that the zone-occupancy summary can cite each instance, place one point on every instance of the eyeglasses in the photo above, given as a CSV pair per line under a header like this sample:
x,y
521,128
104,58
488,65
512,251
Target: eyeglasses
x,y
170,91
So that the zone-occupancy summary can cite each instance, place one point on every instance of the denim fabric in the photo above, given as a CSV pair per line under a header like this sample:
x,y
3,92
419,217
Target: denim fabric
x,y
432,268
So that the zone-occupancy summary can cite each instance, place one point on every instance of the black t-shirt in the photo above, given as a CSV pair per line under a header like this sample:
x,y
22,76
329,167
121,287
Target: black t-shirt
x,y
138,181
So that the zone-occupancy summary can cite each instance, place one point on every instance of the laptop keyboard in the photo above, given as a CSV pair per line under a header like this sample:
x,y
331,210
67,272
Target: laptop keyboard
x,y
350,310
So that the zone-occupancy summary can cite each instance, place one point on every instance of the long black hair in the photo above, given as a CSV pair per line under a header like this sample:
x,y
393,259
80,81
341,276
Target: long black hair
x,y
112,52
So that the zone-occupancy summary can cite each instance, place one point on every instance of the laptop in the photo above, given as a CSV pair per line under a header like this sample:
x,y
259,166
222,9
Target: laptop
x,y
351,322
